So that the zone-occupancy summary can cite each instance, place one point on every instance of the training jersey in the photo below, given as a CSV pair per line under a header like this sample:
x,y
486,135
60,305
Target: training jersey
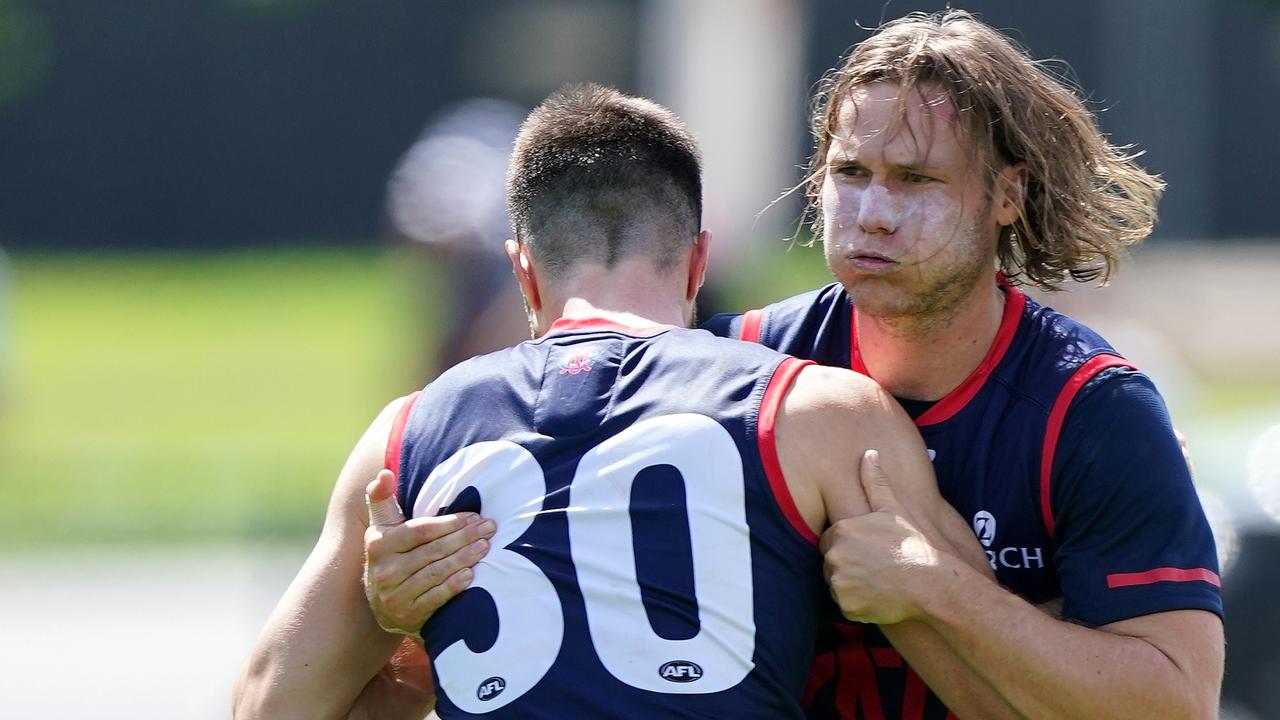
x,y
648,561
1059,454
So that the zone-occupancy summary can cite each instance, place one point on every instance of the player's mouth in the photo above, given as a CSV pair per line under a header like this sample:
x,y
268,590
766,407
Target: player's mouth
x,y
870,262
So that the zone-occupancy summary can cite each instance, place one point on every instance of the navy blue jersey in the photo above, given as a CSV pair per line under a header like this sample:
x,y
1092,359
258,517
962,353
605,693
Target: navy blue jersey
x,y
649,561
1061,456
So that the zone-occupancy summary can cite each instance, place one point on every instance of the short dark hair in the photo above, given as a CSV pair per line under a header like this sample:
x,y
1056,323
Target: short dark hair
x,y
599,175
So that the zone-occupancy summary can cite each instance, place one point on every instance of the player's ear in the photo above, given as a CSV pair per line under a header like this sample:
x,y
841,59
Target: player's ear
x,y
1010,192
522,268
698,255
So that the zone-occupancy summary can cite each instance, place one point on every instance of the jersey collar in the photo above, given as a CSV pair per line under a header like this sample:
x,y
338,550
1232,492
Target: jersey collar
x,y
585,324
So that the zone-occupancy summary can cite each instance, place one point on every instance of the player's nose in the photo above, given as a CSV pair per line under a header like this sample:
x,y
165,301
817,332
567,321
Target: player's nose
x,y
876,211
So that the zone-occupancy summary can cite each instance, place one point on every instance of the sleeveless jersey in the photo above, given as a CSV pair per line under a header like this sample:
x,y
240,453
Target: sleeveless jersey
x,y
993,443
648,561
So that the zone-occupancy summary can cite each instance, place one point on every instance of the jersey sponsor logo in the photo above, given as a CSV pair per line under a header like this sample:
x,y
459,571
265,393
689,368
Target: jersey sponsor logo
x,y
984,526
1016,558
1012,557
576,364
490,688
680,671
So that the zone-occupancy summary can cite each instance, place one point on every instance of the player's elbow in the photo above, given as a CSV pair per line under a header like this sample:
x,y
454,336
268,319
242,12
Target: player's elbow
x,y
1191,691
1192,704
249,699
256,695
1202,698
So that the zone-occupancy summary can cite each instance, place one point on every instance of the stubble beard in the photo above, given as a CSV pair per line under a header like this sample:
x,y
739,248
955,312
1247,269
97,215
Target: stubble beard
x,y
921,313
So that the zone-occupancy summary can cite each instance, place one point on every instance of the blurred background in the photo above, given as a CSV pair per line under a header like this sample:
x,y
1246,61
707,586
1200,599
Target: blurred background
x,y
236,228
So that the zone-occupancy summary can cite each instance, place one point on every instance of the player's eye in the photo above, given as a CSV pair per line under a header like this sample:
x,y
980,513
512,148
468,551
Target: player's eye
x,y
917,178
853,171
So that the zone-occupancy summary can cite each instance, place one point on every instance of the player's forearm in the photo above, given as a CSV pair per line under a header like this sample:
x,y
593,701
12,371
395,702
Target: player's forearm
x,y
965,693
1048,668
307,680
318,649
293,677
402,690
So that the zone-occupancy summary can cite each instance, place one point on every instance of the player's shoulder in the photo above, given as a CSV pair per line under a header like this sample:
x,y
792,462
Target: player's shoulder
x,y
1049,353
820,393
1120,393
393,409
1059,334
482,379
711,345
732,325
829,416
687,355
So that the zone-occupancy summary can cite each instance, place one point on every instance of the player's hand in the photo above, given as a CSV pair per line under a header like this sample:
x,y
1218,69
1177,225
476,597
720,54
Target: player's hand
x,y
876,564
414,567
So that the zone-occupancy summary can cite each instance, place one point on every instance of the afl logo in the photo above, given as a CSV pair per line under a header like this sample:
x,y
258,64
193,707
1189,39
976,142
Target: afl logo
x,y
984,526
491,688
680,671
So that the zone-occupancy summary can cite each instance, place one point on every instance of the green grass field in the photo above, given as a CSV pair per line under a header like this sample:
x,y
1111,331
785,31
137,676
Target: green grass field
x,y
191,397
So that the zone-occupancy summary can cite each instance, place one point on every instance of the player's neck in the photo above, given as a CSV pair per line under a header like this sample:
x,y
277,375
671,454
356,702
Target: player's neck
x,y
924,358
627,296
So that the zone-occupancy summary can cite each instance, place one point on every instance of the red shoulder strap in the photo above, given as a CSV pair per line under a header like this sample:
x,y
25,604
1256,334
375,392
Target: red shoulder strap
x,y
1057,415
751,325
391,459
769,406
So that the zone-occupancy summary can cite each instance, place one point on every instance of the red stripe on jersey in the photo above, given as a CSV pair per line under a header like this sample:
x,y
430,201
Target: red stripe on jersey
x,y
857,689
770,404
886,657
1164,574
913,696
1057,415
953,402
750,330
599,323
855,355
391,459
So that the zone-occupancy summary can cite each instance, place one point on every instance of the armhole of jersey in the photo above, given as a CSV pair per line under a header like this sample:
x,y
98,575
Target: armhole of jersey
x,y
750,330
391,458
769,406
1057,415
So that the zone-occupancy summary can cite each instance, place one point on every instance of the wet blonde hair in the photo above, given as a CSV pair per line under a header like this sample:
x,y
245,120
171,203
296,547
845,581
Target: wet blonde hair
x,y
1085,199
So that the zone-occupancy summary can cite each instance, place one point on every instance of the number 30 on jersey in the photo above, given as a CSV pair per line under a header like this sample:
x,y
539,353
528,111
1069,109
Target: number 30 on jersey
x,y
512,488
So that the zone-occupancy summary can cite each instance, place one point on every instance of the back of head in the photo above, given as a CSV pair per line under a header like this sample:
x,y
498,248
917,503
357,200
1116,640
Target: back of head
x,y
597,175
1085,198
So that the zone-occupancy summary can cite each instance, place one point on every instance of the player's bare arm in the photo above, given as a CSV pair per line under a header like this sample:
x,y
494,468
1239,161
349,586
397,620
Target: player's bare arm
x,y
1166,664
1159,662
832,419
321,646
